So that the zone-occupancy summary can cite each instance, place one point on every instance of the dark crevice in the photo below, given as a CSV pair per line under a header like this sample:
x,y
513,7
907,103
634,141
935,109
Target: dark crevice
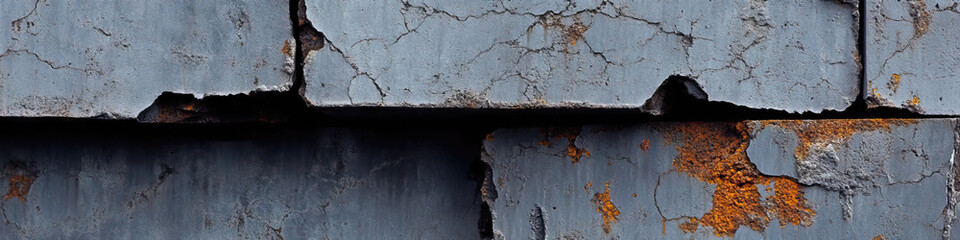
x,y
268,107
862,54
485,224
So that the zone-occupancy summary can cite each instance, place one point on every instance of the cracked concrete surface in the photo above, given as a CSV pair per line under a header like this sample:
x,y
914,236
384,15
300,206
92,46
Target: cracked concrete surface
x,y
604,54
869,185
113,58
291,184
911,55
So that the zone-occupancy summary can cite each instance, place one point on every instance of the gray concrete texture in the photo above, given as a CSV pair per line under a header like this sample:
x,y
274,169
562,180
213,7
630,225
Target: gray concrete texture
x,y
111,58
839,179
912,55
290,184
601,54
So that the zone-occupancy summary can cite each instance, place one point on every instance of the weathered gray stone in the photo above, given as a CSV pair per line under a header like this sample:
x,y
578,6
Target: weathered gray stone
x,y
112,58
605,54
289,184
857,179
911,55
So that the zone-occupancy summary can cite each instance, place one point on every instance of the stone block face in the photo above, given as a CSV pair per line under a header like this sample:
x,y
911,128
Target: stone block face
x,y
601,54
911,55
854,179
291,184
111,58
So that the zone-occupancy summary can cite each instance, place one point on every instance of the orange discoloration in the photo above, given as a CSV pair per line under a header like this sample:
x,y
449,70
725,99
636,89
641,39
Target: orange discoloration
x,y
644,145
287,50
587,187
605,207
894,83
570,134
879,237
19,186
488,137
832,130
691,226
575,31
915,101
716,153
789,203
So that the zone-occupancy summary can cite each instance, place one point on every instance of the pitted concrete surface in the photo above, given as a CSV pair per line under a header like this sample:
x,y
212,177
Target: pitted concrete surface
x,y
290,184
911,55
602,54
111,58
673,180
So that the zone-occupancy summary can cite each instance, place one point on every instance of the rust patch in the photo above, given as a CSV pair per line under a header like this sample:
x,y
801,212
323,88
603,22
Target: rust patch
x,y
921,17
879,237
791,205
644,145
915,101
831,130
716,153
575,31
570,134
605,207
22,175
488,137
894,83
587,187
691,226
287,50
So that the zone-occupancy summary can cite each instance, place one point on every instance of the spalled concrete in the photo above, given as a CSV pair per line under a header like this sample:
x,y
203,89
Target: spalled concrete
x,y
852,179
112,58
239,184
599,54
911,55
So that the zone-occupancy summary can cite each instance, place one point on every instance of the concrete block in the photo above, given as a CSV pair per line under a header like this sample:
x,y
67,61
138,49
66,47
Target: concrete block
x,y
601,54
843,178
911,55
287,184
111,59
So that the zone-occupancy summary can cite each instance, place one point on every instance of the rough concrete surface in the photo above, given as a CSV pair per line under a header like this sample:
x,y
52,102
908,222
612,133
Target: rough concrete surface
x,y
847,179
911,55
111,59
603,54
289,184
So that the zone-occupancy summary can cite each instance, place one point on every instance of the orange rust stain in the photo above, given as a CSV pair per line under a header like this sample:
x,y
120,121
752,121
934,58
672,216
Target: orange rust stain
x,y
790,205
879,237
644,145
286,48
488,137
607,210
832,130
19,186
570,134
691,226
575,31
587,187
716,153
894,83
874,90
915,101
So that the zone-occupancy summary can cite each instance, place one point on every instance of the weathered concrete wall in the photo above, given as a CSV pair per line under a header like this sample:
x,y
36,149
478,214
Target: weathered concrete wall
x,y
846,179
268,184
345,88
912,55
602,54
113,58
